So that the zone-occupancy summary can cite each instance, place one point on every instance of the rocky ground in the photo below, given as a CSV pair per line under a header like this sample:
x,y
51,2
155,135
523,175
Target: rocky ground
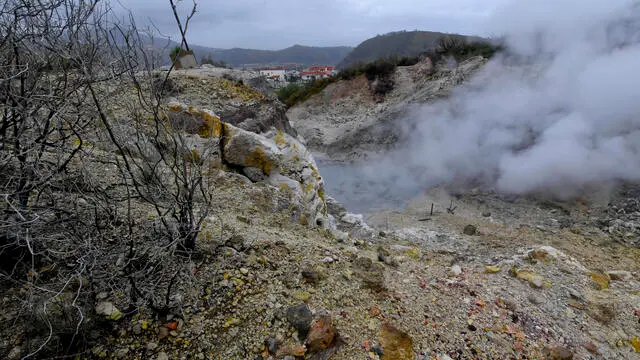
x,y
348,122
283,271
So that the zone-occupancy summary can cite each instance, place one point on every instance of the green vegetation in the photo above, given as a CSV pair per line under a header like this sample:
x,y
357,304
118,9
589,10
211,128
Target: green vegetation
x,y
209,60
402,44
296,92
380,71
175,52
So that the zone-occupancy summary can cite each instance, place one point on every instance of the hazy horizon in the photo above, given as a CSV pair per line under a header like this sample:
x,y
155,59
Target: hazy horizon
x,y
256,24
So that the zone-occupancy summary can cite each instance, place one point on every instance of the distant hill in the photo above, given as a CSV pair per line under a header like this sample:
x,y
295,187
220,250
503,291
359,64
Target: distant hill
x,y
298,54
402,43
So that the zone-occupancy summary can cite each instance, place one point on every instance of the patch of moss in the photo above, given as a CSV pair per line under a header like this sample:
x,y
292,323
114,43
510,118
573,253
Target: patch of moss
x,y
279,139
258,159
211,126
601,280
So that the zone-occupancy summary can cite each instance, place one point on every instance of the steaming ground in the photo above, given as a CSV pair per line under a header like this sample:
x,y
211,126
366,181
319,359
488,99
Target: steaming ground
x,y
559,114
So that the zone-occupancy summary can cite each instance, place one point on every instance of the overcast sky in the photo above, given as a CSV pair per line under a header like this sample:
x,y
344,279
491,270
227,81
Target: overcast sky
x,y
277,24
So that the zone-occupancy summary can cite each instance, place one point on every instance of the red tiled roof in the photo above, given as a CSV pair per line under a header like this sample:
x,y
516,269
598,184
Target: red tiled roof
x,y
321,68
315,73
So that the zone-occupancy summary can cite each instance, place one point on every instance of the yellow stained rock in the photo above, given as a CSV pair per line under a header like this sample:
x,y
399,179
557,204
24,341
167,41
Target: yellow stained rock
x,y
491,269
601,280
396,344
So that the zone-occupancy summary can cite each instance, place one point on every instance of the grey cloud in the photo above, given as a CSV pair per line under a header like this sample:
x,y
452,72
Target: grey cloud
x,y
270,24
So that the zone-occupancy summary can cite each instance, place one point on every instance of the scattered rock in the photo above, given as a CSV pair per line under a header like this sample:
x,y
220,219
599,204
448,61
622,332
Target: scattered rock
x,y
470,230
163,333
486,214
244,271
313,275
592,348
372,275
162,356
291,350
121,353
236,242
600,281
559,353
491,269
300,317
272,345
454,271
108,310
15,353
619,275
328,260
602,309
535,281
152,346
385,256
396,344
321,334
543,253
137,329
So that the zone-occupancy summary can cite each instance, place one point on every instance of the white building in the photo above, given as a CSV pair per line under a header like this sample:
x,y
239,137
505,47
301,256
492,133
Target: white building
x,y
275,74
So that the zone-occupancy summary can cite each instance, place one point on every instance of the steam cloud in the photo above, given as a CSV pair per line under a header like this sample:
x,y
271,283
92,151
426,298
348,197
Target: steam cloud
x,y
560,113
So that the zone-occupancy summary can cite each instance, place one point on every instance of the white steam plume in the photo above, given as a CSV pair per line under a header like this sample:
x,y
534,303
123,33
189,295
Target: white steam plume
x,y
560,113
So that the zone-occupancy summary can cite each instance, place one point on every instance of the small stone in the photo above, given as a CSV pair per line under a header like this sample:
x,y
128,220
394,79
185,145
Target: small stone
x,y
121,353
244,271
152,346
592,348
272,345
371,275
396,344
313,275
14,354
236,242
602,309
300,317
491,269
328,260
291,351
486,214
619,275
470,230
559,353
385,256
108,310
377,350
321,334
534,299
454,271
600,281
534,280
162,356
163,332
137,329
102,295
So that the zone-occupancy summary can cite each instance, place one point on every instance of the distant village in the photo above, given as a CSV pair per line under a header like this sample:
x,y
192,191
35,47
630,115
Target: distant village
x,y
280,76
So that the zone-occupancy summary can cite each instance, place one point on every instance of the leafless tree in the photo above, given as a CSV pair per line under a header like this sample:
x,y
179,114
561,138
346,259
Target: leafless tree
x,y
72,203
